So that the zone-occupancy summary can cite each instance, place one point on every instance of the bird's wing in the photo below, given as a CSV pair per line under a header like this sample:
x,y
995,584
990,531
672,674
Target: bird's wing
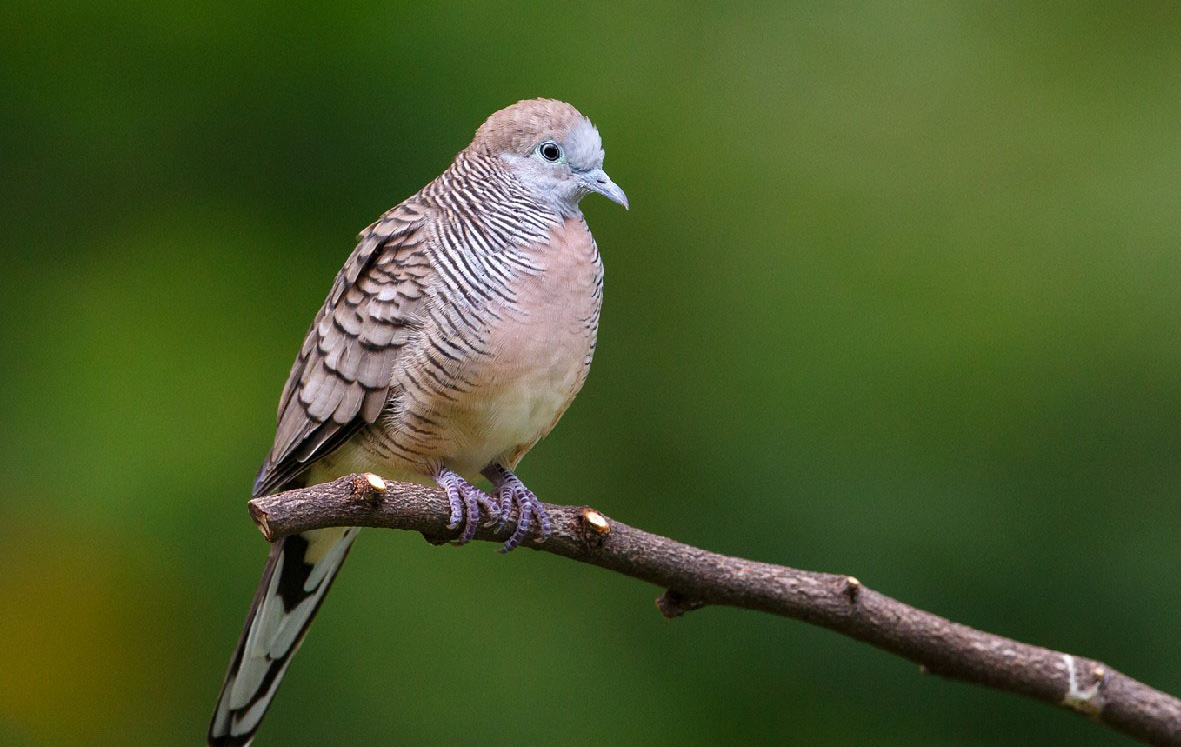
x,y
340,381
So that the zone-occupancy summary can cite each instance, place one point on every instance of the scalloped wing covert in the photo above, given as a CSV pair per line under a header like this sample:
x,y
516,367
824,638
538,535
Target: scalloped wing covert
x,y
340,381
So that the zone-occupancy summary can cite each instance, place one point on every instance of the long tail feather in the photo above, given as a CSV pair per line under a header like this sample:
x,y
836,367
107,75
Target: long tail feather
x,y
298,574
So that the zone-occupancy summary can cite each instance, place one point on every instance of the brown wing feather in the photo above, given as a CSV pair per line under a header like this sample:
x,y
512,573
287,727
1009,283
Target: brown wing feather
x,y
340,380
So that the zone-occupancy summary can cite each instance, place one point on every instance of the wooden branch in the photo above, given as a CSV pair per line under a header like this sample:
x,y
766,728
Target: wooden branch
x,y
694,578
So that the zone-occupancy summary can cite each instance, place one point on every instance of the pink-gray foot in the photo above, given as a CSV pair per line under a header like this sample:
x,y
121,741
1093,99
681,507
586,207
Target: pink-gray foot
x,y
510,491
466,501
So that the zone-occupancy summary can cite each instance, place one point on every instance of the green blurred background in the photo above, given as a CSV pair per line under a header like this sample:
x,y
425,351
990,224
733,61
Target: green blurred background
x,y
898,296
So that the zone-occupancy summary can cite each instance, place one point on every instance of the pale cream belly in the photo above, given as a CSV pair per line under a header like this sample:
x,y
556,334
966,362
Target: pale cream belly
x,y
504,421
498,423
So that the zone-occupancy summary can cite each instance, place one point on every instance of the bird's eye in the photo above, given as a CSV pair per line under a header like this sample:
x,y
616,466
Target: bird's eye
x,y
550,151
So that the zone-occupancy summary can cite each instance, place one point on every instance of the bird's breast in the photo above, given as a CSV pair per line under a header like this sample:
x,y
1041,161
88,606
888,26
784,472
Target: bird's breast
x,y
539,346
531,350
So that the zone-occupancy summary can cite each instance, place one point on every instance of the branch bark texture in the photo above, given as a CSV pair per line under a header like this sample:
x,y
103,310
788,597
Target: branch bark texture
x,y
694,578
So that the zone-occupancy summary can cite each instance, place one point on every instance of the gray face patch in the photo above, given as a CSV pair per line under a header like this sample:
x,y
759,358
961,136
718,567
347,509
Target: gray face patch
x,y
561,184
584,147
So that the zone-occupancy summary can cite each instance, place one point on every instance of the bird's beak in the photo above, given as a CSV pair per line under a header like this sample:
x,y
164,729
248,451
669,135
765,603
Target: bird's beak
x,y
596,180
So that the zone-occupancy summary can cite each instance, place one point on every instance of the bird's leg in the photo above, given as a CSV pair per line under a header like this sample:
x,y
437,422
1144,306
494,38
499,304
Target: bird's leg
x,y
509,489
466,501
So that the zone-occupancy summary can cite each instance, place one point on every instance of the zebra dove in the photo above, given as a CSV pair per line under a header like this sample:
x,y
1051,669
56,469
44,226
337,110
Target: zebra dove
x,y
454,337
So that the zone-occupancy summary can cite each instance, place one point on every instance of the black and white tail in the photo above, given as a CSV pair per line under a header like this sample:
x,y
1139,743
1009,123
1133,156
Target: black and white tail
x,y
297,577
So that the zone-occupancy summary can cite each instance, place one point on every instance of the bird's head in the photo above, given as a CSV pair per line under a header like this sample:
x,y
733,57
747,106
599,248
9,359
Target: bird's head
x,y
552,149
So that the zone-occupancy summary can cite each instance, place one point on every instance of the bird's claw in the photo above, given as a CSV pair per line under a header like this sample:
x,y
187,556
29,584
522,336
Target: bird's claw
x,y
511,491
466,501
